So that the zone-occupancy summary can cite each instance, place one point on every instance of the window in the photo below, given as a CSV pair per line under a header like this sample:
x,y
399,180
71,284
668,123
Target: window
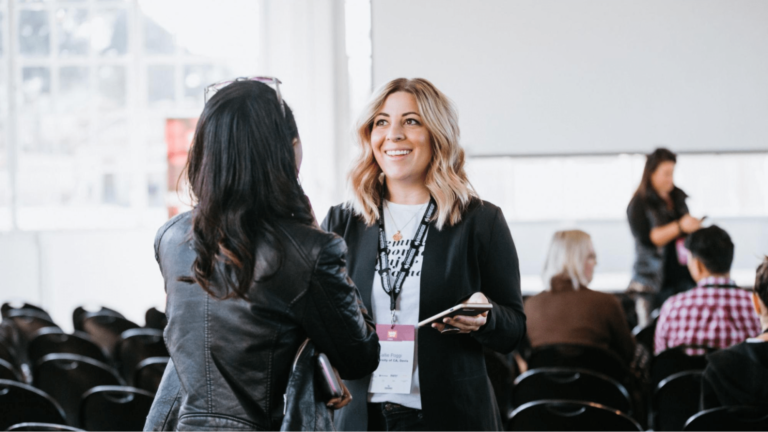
x,y
84,137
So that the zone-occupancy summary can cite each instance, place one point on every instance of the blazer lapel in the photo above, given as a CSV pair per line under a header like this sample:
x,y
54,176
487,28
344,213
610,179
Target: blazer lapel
x,y
434,270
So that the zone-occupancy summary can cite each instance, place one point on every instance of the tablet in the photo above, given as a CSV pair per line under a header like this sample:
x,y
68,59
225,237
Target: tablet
x,y
468,309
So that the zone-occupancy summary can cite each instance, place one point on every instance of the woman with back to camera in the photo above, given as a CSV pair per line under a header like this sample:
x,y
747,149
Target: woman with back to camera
x,y
248,273
420,242
569,312
659,220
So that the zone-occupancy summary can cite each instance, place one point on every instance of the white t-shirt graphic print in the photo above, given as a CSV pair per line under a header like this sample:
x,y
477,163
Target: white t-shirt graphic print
x,y
408,218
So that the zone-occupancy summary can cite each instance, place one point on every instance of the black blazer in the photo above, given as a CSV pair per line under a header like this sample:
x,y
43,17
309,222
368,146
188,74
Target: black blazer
x,y
478,254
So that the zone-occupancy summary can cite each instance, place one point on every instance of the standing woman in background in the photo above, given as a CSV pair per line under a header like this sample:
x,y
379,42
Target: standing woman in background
x,y
659,220
413,199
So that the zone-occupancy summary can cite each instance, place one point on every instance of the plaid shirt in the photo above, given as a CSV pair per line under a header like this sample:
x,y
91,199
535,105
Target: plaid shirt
x,y
715,313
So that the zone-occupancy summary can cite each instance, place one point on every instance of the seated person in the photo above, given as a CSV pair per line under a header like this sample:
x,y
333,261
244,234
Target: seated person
x,y
737,375
715,313
569,312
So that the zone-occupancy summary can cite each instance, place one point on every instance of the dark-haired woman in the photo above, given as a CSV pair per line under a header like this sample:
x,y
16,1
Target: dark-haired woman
x,y
248,273
659,220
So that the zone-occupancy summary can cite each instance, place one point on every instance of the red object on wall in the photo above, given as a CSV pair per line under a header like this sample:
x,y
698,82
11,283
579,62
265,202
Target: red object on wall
x,y
178,139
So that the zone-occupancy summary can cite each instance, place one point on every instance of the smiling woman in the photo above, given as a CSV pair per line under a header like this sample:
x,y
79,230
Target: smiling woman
x,y
421,241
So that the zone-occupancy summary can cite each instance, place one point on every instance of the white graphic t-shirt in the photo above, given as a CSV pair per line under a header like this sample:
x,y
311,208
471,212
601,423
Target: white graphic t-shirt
x,y
407,218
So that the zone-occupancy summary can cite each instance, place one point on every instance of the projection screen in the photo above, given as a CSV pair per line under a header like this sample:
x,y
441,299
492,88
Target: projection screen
x,y
553,77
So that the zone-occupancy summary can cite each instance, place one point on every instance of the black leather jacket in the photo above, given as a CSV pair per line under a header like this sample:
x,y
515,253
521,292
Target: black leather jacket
x,y
233,356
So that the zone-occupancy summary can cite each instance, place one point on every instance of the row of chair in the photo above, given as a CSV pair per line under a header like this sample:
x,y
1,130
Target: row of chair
x,y
553,415
590,374
106,352
99,408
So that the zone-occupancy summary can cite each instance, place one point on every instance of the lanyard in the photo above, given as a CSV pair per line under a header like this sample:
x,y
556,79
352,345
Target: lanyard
x,y
394,289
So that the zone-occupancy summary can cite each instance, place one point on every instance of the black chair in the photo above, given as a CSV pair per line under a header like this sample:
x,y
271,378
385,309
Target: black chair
x,y
554,415
155,319
8,307
105,329
675,399
7,353
571,384
502,370
23,403
115,408
149,373
137,345
80,313
579,356
54,341
9,372
645,336
29,321
734,418
66,377
674,360
33,426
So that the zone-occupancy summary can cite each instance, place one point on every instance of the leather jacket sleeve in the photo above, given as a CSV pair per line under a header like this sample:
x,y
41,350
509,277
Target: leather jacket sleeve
x,y
335,318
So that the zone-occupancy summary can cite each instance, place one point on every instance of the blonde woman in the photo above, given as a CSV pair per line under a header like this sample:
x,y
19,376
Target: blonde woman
x,y
569,312
415,214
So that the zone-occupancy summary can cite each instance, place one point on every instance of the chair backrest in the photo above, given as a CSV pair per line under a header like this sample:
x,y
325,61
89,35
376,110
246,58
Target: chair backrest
x,y
155,319
571,384
105,329
553,415
23,403
34,426
66,377
80,313
115,408
137,345
674,360
55,341
502,371
645,336
675,399
149,373
9,372
29,321
735,418
579,356
8,307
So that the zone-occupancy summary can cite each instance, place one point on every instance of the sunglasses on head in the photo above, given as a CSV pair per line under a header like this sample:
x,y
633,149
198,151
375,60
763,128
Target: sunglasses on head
x,y
213,88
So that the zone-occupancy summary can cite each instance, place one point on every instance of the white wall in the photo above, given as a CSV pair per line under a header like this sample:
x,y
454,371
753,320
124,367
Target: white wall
x,y
587,76
61,270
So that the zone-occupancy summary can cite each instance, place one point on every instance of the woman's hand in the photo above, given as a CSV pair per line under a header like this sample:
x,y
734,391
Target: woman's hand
x,y
689,224
344,399
466,324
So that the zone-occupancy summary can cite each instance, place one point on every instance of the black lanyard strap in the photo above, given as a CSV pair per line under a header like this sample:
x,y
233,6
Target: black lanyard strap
x,y
393,290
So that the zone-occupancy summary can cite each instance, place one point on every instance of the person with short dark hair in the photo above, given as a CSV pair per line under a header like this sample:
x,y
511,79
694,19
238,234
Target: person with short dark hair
x,y
737,375
659,220
716,313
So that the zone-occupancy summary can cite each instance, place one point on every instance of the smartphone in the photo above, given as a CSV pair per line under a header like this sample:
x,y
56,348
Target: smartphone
x,y
326,378
467,309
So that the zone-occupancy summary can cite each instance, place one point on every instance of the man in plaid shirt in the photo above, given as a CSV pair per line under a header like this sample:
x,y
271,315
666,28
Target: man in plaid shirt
x,y
716,312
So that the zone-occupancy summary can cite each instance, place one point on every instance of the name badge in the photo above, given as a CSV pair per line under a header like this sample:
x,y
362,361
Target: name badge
x,y
395,370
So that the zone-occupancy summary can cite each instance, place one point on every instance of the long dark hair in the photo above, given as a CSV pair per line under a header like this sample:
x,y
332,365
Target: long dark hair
x,y
652,162
242,172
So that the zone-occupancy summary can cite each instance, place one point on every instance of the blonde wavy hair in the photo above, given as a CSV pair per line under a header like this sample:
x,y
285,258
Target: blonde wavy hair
x,y
446,180
567,254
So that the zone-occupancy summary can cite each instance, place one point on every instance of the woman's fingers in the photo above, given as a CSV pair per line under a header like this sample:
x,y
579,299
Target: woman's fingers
x,y
346,396
467,324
